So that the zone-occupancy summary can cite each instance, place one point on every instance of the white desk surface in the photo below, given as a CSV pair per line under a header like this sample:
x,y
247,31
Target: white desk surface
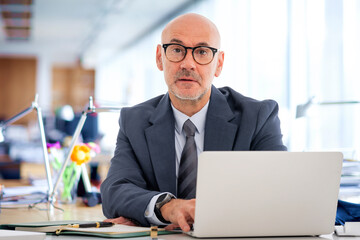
x,y
79,211
183,237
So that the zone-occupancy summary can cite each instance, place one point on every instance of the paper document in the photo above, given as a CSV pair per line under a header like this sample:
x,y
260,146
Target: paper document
x,y
15,191
17,235
349,229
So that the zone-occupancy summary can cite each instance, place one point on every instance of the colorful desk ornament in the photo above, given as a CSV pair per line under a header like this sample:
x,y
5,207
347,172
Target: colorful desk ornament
x,y
91,197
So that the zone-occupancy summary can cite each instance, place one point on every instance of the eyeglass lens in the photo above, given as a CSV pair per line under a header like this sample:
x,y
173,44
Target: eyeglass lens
x,y
202,55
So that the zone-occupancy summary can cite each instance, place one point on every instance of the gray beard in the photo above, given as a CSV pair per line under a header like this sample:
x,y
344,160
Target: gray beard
x,y
192,99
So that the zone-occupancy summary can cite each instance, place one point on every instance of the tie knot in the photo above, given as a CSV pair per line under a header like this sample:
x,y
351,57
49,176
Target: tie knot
x,y
189,128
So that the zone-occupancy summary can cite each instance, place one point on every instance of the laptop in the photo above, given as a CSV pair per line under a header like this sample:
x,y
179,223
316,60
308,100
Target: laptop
x,y
259,193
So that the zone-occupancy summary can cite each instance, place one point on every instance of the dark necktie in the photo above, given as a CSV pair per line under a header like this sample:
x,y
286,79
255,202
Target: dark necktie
x,y
188,164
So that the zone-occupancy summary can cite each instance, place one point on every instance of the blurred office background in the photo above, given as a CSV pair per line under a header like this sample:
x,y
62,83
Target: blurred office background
x,y
287,50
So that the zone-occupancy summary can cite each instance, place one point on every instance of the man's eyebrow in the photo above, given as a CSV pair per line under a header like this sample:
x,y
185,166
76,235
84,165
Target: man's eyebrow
x,y
205,44
176,40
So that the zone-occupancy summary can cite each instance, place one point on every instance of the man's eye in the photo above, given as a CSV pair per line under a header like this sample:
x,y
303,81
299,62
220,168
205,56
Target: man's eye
x,y
202,52
177,50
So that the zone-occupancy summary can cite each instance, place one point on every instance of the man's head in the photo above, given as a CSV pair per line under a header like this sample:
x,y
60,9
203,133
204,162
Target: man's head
x,y
190,79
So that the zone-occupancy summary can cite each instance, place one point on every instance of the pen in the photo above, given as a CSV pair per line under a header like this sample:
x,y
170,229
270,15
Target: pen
x,y
95,225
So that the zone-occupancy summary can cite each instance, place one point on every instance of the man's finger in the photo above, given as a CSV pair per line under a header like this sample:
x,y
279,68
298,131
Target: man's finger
x,y
119,220
192,212
129,223
171,227
183,224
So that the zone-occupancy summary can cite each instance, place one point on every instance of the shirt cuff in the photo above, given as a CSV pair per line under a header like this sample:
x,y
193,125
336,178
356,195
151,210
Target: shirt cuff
x,y
149,212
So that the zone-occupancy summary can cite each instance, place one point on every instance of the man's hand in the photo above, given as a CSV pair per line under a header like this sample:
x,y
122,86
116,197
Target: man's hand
x,y
121,220
180,213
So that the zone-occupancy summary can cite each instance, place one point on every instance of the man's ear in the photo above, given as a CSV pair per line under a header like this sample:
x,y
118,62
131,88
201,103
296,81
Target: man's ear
x,y
159,58
220,63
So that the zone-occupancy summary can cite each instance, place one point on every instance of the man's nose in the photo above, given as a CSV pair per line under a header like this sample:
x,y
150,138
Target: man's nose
x,y
188,62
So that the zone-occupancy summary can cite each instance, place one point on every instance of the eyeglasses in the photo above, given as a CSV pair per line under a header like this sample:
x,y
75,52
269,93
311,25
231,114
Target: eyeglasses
x,y
176,53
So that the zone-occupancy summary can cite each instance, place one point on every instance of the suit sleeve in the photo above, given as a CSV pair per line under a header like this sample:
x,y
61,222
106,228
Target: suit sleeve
x,y
268,135
124,191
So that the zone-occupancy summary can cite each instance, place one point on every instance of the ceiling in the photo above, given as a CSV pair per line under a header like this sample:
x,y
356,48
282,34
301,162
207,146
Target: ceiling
x,y
67,31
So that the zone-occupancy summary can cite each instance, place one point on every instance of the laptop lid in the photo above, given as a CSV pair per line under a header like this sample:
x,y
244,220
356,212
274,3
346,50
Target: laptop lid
x,y
258,193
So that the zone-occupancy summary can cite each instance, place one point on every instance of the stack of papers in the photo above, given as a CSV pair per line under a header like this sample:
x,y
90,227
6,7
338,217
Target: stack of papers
x,y
24,195
349,229
350,173
350,182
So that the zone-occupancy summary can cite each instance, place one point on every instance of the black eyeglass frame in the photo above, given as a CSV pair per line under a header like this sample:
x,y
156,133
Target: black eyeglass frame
x,y
213,50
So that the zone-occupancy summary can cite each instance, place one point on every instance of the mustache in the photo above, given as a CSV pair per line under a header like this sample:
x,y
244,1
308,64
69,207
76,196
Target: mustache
x,y
186,73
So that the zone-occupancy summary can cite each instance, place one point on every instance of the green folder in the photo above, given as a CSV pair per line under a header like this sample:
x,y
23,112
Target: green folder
x,y
116,231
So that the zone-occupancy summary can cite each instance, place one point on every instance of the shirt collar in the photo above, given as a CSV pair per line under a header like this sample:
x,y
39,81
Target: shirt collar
x,y
198,119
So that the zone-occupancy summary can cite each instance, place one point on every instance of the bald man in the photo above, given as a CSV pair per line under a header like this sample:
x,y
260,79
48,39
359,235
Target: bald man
x,y
144,182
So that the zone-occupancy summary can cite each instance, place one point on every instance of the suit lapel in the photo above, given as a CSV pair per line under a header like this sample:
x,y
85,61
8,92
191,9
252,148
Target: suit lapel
x,y
220,133
160,138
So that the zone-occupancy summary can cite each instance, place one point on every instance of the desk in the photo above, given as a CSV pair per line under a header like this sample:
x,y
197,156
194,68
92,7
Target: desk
x,y
79,211
22,214
185,237
76,211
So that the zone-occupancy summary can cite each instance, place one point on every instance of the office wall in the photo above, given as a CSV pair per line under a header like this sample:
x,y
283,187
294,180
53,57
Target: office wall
x,y
17,86
72,86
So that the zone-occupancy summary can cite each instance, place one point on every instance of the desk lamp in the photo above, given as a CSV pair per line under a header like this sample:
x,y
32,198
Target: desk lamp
x,y
301,109
91,198
34,105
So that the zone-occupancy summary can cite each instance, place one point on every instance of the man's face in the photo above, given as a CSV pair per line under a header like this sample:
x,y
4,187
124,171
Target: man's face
x,y
188,80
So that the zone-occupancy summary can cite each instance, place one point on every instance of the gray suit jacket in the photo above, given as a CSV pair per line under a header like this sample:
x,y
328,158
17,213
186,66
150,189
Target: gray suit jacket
x,y
144,160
